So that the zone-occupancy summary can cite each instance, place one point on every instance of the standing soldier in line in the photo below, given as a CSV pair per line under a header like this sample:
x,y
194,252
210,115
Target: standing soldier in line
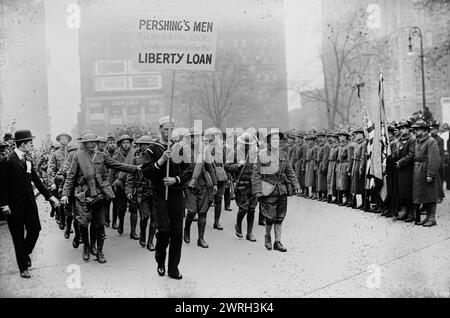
x,y
405,170
440,142
273,167
227,194
291,148
240,163
300,158
56,161
87,180
333,141
218,152
110,151
169,213
344,166
358,177
427,189
139,192
201,188
124,154
322,157
310,167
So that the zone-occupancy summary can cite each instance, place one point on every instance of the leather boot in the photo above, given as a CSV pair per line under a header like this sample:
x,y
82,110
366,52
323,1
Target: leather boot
x,y
93,239
133,223
238,226
410,213
431,215
76,237
85,234
250,220
349,200
279,247
143,228
68,227
354,202
268,242
329,198
151,235
187,227
217,212
416,214
201,231
100,256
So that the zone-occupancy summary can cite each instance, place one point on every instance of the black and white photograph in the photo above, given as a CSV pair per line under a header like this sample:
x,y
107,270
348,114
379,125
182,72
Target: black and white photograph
x,y
230,151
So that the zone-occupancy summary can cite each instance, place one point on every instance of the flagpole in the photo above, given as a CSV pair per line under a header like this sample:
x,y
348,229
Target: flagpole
x,y
170,130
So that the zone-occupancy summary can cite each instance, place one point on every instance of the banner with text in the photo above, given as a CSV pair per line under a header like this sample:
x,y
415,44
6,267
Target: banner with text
x,y
175,42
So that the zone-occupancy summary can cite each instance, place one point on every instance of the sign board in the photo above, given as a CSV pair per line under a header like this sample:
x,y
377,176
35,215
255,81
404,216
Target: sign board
x,y
175,42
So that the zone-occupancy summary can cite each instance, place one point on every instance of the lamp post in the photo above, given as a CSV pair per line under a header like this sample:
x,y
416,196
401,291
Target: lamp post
x,y
416,31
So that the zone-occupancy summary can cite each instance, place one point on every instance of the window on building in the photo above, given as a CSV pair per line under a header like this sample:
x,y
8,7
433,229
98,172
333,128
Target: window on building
x,y
111,67
143,82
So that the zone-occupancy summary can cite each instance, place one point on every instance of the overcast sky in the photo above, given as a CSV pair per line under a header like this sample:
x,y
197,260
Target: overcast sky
x,y
303,20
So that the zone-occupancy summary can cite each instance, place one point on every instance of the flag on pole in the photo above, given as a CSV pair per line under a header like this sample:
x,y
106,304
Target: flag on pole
x,y
384,147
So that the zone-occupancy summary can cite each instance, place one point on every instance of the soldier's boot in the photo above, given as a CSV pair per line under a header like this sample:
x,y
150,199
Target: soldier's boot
x,y
68,227
76,238
151,235
133,223
238,226
86,250
416,214
341,199
62,218
354,202
277,245
268,242
114,216
100,256
363,201
410,212
187,227
201,231
250,219
143,228
217,212
93,239
431,215
350,199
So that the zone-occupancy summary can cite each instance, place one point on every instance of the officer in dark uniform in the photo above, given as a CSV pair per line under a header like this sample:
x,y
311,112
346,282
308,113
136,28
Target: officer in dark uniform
x,y
169,213
440,142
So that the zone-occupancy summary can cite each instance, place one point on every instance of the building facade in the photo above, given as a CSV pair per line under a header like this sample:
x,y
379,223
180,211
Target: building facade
x,y
115,93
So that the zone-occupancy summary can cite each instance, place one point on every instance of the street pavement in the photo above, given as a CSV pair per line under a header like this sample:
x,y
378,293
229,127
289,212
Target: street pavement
x,y
332,252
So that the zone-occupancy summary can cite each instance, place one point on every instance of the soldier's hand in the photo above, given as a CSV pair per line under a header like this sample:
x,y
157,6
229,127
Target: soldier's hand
x,y
168,181
6,211
192,183
214,189
53,187
54,201
166,155
429,179
64,200
130,196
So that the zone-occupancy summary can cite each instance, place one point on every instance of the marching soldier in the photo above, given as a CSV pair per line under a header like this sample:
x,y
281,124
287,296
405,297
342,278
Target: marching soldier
x,y
322,157
427,189
358,177
56,161
169,213
310,167
344,168
333,140
87,180
110,150
124,154
299,162
240,163
139,192
201,188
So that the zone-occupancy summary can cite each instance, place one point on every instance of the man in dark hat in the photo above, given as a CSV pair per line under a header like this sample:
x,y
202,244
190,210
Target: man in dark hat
x,y
358,176
435,125
125,154
17,199
139,192
55,163
427,187
86,179
169,213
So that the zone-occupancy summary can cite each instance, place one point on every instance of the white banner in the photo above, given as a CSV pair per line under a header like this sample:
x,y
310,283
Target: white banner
x,y
175,42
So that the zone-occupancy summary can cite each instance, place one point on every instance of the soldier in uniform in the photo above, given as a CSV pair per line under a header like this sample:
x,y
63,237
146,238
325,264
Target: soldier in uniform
x,y
427,187
201,188
322,157
358,177
102,142
110,150
440,142
240,163
56,161
405,170
310,167
169,213
125,154
139,192
344,168
333,141
299,160
87,180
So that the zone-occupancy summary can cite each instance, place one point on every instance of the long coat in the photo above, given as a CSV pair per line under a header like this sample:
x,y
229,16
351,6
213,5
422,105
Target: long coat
x,y
344,167
405,166
359,168
322,157
427,161
310,169
332,167
300,164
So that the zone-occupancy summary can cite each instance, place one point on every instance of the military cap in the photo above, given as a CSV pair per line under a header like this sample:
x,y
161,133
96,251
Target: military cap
x,y
403,123
420,124
358,130
435,124
344,133
166,120
144,140
311,136
321,133
247,139
110,138
84,133
88,137
274,132
101,139
63,134
124,137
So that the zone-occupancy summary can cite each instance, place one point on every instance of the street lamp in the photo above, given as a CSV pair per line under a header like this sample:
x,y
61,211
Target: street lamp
x,y
416,31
